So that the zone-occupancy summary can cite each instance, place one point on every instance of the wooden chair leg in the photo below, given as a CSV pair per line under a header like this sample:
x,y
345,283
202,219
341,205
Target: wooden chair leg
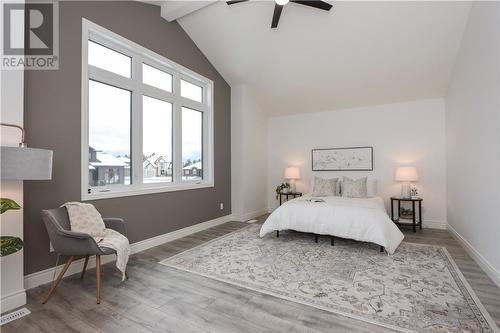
x,y
332,241
316,238
126,275
59,278
84,266
98,277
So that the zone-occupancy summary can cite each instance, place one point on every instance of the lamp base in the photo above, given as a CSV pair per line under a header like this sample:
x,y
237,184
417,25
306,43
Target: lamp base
x,y
292,185
406,191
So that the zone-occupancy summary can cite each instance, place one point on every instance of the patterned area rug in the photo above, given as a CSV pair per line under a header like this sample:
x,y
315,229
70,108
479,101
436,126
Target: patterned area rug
x,y
418,289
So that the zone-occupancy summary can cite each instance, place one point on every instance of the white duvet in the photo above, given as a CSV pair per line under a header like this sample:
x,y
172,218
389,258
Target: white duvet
x,y
359,219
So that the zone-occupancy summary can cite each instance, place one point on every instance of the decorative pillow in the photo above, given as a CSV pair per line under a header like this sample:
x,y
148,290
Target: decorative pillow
x,y
324,187
354,188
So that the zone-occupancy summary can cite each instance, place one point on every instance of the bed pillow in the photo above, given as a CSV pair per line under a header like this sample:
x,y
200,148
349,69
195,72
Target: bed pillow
x,y
324,187
354,188
371,187
337,188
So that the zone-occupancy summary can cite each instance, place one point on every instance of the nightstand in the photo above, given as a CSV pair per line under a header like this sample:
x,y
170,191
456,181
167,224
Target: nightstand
x,y
288,195
414,202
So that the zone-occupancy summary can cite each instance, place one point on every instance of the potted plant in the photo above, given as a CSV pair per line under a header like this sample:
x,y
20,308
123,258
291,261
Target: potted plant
x,y
282,188
9,244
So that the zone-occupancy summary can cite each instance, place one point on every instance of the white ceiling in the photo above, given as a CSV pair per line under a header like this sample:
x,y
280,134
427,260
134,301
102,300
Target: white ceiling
x,y
358,54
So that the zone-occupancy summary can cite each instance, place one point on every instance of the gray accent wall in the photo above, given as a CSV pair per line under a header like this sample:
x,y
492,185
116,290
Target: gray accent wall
x,y
53,120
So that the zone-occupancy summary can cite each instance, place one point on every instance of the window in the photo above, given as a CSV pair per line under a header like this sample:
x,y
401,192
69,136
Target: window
x,y
156,78
147,122
105,58
156,139
191,91
109,134
192,144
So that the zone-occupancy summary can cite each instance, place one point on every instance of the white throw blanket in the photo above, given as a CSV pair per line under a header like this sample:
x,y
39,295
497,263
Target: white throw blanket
x,y
85,218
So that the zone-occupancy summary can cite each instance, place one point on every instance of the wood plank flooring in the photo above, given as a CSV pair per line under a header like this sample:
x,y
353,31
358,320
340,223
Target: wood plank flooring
x,y
157,298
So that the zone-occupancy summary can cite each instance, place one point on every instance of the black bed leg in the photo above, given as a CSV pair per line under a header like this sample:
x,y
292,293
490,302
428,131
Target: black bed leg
x,y
277,233
316,238
381,249
332,241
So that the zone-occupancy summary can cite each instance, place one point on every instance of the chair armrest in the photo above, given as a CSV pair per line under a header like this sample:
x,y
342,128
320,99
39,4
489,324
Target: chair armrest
x,y
116,224
75,243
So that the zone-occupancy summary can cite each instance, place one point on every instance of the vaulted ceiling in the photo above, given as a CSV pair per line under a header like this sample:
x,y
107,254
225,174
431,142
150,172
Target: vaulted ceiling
x,y
359,53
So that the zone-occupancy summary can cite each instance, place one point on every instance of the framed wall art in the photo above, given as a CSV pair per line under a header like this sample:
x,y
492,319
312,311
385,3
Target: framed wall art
x,y
343,159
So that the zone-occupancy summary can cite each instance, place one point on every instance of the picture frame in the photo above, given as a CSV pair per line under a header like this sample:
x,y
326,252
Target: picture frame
x,y
342,159
406,213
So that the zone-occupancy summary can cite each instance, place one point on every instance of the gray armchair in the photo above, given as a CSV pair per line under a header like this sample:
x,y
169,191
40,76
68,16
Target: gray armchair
x,y
70,243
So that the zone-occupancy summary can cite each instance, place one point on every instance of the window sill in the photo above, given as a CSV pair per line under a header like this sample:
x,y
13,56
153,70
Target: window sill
x,y
143,191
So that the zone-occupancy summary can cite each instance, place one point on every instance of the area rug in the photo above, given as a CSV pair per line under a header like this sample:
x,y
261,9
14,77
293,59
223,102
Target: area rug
x,y
418,289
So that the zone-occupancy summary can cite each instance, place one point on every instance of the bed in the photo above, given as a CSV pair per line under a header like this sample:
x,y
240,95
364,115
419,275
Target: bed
x,y
361,219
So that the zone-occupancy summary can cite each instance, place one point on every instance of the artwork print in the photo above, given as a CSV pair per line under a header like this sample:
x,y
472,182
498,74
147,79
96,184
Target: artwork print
x,y
343,159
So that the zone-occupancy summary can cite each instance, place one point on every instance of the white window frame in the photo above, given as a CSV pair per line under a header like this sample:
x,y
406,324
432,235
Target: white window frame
x,y
140,55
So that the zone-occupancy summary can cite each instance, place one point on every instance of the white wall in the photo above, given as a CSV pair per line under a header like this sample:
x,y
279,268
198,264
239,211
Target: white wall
x,y
410,133
248,155
473,139
11,101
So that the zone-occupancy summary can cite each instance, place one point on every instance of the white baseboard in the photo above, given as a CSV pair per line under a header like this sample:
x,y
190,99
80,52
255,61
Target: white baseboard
x,y
170,236
13,301
243,217
434,224
478,258
38,278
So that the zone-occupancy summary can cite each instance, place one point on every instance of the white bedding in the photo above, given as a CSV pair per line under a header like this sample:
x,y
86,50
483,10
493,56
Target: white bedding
x,y
359,219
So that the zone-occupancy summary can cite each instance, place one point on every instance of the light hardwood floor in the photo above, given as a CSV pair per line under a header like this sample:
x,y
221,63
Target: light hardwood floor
x,y
157,298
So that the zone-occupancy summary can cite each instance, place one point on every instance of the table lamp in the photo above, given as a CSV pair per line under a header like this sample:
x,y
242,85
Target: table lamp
x,y
406,175
292,174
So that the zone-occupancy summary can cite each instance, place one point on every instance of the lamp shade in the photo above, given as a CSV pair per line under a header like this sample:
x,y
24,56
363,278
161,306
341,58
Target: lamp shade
x,y
406,174
292,173
19,163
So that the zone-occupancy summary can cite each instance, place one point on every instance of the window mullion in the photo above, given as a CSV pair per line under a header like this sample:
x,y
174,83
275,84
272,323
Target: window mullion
x,y
177,133
189,103
208,135
136,126
157,93
101,75
205,147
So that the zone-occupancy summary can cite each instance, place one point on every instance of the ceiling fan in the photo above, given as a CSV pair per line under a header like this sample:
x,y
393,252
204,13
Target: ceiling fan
x,y
278,7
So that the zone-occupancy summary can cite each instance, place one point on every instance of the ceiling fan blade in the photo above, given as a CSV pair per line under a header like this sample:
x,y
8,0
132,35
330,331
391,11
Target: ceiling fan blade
x,y
276,15
235,1
316,4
